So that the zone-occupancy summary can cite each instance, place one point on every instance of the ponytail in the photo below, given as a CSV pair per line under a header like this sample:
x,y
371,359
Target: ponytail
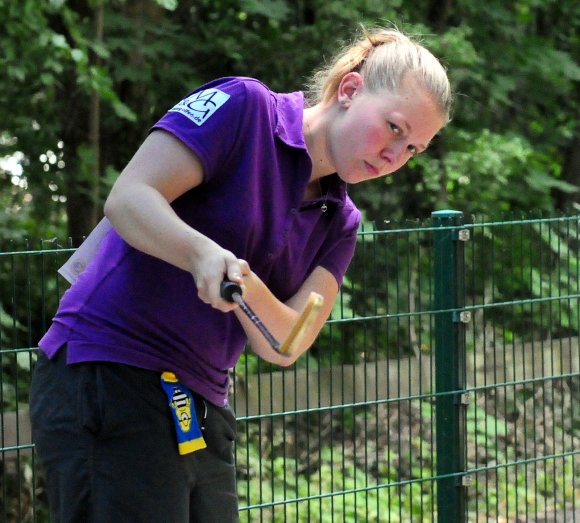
x,y
383,58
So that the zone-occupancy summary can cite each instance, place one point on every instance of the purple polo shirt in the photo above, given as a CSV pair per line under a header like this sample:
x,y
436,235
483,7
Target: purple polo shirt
x,y
129,307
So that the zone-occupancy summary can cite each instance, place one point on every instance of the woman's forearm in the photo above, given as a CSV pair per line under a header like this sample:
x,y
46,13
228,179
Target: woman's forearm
x,y
280,317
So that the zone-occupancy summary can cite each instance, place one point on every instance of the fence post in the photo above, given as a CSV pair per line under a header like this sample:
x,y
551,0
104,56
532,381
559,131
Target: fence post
x,y
450,371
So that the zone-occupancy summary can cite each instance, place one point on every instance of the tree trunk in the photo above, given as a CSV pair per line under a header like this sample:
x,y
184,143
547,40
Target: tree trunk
x,y
95,124
570,174
439,12
82,130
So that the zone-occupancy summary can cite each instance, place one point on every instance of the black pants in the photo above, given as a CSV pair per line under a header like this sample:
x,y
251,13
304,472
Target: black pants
x,y
106,440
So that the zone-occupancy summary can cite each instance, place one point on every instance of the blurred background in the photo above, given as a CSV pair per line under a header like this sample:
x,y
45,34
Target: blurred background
x,y
81,82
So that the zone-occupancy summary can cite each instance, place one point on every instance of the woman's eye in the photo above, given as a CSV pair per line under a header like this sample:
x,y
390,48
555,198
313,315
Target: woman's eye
x,y
395,128
412,149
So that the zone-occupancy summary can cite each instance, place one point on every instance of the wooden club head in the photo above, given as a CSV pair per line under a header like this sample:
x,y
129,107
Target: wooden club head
x,y
303,323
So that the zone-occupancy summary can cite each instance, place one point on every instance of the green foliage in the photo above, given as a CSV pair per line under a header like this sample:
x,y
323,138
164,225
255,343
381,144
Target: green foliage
x,y
304,496
508,149
497,173
513,68
296,470
526,263
511,130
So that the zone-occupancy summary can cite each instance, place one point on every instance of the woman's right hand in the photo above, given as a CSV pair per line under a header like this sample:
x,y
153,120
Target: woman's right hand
x,y
210,265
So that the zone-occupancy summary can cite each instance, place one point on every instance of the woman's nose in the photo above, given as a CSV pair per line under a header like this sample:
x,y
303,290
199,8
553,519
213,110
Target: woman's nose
x,y
393,154
387,155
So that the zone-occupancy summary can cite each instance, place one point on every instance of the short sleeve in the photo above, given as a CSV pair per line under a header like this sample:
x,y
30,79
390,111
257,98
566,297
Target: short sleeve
x,y
210,120
340,246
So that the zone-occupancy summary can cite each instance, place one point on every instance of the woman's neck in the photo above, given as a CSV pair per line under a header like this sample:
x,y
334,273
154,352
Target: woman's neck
x,y
315,127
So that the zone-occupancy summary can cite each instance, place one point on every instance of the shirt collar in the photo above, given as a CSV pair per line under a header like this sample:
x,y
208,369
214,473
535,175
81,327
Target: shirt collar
x,y
289,112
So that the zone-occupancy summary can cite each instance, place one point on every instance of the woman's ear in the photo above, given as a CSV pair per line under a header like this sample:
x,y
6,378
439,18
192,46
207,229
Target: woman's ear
x,y
351,84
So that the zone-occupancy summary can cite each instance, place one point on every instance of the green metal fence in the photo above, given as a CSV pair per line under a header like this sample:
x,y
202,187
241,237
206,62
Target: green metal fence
x,y
445,387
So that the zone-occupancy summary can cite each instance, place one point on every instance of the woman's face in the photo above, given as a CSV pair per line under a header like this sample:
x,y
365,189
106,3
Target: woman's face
x,y
375,134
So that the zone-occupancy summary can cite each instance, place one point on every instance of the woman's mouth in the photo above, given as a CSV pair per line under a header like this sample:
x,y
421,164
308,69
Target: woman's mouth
x,y
371,169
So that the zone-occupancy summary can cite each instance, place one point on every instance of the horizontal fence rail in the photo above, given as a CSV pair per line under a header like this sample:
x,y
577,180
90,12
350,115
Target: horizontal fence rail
x,y
365,427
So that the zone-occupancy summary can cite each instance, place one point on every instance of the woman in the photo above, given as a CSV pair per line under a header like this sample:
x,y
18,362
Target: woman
x,y
235,182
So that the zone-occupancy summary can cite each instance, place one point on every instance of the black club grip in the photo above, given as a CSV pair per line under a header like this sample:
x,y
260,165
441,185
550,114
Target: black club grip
x,y
228,289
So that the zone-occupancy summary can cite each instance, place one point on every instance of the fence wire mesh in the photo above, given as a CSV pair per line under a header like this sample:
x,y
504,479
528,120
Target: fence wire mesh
x,y
524,419
349,433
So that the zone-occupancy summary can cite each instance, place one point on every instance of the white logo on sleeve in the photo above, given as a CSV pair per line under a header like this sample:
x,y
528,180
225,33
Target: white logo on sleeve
x,y
200,106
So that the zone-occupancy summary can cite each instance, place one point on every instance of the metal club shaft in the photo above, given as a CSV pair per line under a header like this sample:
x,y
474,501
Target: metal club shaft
x,y
232,292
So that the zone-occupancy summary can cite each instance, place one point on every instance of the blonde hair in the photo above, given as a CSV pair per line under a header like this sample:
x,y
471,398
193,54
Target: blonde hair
x,y
384,57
